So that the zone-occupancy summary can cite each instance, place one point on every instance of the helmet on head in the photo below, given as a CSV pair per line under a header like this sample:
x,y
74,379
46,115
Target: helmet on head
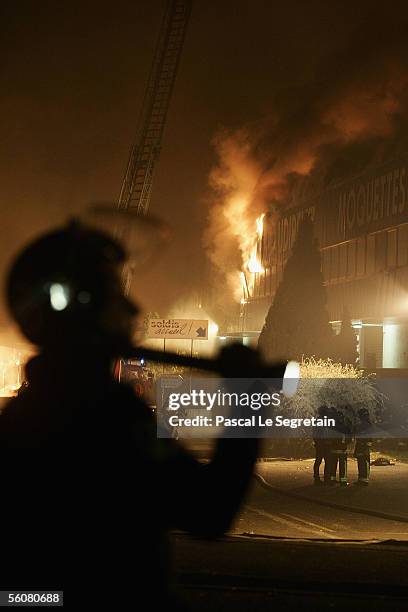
x,y
65,288
364,414
323,410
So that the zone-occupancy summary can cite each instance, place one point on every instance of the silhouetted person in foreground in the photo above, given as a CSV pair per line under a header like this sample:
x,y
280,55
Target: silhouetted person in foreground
x,y
88,491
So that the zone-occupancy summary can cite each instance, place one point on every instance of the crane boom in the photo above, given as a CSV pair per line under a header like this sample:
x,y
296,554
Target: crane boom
x,y
137,183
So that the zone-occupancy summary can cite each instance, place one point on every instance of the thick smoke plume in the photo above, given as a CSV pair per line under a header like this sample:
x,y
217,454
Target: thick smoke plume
x,y
238,203
354,110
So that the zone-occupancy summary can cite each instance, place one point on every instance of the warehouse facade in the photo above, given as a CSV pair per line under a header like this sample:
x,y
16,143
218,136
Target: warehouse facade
x,y
362,229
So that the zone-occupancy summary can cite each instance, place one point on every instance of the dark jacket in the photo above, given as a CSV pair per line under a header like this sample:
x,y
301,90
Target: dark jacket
x,y
89,492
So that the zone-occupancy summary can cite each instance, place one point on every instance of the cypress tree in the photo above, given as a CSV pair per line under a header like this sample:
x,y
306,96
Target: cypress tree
x,y
297,323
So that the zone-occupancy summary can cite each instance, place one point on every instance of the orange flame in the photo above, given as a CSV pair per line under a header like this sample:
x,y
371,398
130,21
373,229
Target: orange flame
x,y
253,264
259,226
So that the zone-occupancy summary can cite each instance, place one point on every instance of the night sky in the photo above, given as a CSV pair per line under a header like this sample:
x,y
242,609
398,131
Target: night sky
x,y
73,74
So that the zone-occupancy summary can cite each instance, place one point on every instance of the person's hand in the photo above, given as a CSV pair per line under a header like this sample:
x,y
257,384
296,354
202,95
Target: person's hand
x,y
239,361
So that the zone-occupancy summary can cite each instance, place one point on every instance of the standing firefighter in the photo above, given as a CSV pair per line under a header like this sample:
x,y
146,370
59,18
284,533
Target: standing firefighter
x,y
320,441
91,491
363,447
337,452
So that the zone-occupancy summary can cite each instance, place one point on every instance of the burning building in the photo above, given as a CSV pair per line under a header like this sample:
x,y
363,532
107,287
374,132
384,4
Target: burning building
x,y
361,225
335,150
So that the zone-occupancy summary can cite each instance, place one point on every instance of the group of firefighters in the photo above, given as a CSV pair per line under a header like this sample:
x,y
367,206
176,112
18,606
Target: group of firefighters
x,y
333,446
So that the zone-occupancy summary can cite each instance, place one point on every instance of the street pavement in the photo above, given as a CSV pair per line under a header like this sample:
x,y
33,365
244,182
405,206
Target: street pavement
x,y
274,514
250,574
284,551
387,492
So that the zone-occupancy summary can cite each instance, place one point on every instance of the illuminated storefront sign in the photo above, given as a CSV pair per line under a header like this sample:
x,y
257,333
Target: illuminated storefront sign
x,y
372,202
